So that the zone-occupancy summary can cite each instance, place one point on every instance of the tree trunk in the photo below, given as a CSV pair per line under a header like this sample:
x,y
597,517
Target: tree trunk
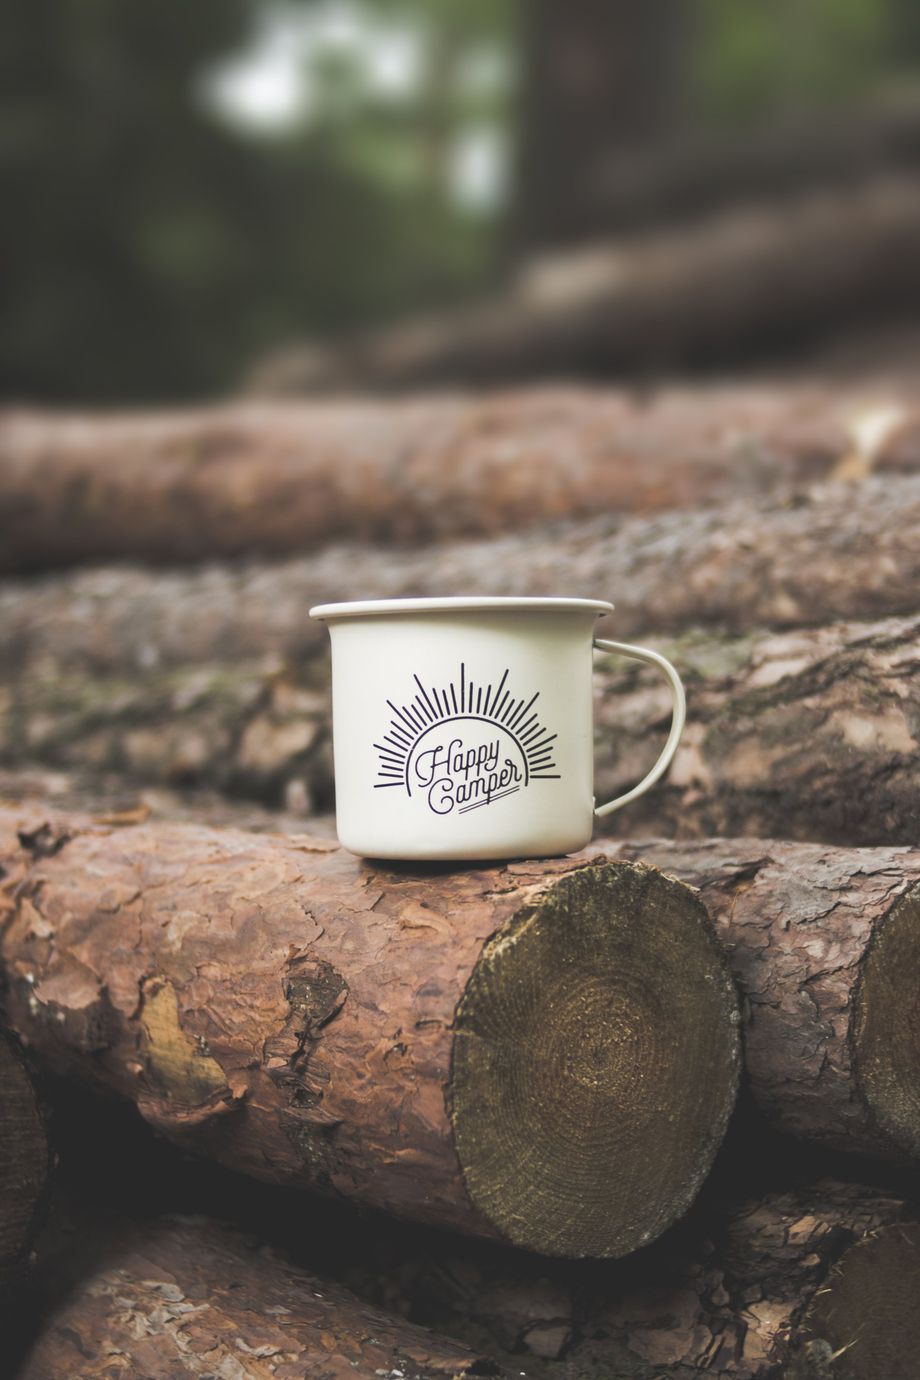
x,y
601,77
824,945
838,551
186,1297
271,478
751,283
812,734
735,1293
24,1164
698,171
297,1014
808,735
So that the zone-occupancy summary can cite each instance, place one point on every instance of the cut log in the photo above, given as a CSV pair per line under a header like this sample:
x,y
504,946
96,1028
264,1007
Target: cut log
x,y
275,479
779,1280
824,945
298,1015
836,552
813,734
24,1163
805,735
186,1297
713,290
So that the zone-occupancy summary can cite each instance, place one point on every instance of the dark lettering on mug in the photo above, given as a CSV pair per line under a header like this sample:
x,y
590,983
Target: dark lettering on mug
x,y
464,745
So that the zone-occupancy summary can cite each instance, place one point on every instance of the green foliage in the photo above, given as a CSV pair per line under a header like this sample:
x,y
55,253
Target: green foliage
x,y
150,250
753,57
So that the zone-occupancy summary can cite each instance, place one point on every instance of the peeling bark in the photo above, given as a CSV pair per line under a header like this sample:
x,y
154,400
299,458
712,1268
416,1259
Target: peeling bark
x,y
824,945
186,1297
276,479
474,1048
24,1163
838,551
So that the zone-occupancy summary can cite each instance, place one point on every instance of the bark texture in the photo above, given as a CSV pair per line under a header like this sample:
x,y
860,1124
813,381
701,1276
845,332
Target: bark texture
x,y
186,1297
743,281
254,730
848,550
824,945
24,1163
276,479
754,1287
298,1015
811,734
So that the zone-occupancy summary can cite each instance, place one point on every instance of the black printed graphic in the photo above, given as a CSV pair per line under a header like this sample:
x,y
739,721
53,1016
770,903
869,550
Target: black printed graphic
x,y
461,746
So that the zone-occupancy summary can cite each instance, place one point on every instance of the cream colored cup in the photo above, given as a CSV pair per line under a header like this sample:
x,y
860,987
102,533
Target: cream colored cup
x,y
463,728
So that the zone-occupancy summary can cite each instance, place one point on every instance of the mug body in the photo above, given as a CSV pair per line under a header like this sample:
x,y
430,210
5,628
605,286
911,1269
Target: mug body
x,y
462,728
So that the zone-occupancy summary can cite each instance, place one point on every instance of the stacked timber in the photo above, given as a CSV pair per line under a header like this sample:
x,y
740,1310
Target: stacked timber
x,y
529,1067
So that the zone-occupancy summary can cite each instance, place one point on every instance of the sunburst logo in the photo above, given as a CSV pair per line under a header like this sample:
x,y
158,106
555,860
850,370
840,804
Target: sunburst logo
x,y
461,745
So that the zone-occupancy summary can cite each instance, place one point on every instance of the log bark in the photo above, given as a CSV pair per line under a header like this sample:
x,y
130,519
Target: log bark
x,y
24,1164
811,734
250,730
281,478
298,1015
824,945
838,551
754,1288
187,1297
752,280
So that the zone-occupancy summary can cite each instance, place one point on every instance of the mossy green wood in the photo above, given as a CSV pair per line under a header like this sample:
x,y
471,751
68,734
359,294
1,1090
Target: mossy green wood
x,y
595,1063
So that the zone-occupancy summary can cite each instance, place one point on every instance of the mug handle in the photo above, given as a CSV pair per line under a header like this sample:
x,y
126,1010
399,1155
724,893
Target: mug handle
x,y
678,718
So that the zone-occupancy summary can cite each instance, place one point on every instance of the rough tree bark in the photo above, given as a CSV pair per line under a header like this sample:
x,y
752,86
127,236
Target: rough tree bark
x,y
736,1292
186,1297
297,1014
752,281
246,478
24,1163
811,734
837,551
824,945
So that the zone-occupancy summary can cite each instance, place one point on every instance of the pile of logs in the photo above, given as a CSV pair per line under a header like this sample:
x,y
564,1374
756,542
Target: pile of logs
x,y
649,1111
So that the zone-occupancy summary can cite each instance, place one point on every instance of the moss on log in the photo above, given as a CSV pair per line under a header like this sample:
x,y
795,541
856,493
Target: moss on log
x,y
297,1014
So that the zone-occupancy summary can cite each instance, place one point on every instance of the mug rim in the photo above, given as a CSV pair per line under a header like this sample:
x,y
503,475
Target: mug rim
x,y
458,603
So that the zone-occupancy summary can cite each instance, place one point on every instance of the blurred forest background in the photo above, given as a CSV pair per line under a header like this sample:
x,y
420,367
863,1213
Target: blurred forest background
x,y
189,187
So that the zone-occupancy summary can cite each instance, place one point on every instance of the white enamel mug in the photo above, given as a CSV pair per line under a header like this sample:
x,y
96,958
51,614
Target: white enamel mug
x,y
463,728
